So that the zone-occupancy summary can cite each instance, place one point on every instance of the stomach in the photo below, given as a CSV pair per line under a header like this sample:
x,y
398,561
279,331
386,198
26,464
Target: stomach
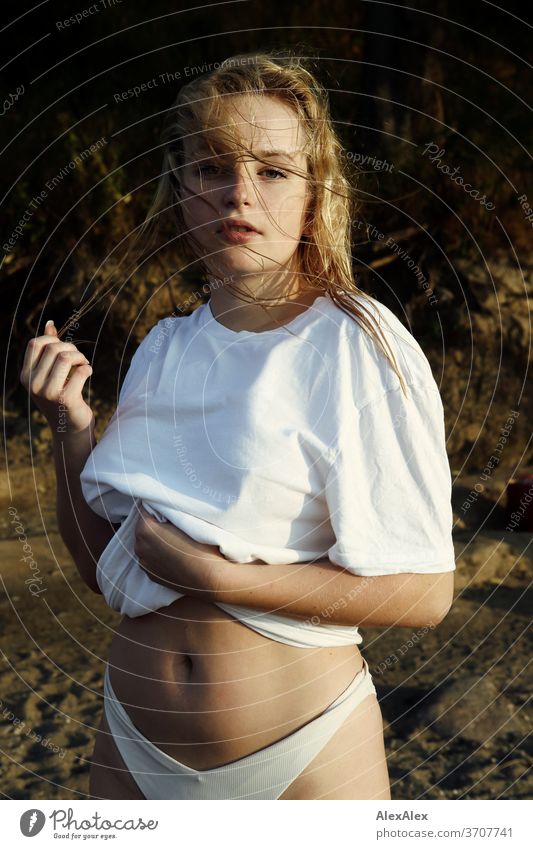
x,y
208,690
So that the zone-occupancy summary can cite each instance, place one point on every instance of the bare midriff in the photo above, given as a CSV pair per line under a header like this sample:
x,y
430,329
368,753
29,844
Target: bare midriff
x,y
208,690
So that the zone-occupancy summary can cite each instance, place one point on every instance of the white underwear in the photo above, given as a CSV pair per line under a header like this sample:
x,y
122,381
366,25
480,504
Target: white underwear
x,y
265,774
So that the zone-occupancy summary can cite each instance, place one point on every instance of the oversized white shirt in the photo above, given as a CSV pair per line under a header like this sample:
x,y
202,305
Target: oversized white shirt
x,y
282,446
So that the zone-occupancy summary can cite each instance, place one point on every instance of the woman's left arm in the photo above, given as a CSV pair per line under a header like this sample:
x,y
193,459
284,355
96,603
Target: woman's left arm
x,y
322,591
318,591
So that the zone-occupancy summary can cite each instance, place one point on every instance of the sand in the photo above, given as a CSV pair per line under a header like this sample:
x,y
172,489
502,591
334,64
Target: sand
x,y
56,633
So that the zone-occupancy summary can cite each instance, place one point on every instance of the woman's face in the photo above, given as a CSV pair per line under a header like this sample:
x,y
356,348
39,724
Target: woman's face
x,y
216,191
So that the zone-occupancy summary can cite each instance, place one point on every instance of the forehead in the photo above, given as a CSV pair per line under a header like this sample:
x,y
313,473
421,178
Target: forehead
x,y
259,123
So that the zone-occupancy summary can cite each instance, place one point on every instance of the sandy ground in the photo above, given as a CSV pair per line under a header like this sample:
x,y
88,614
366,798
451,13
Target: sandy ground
x,y
454,699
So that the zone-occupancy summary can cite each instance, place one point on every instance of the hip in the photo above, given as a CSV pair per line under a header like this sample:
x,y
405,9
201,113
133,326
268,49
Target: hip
x,y
207,689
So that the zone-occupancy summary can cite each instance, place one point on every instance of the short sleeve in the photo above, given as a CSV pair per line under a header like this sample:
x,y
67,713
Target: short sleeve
x,y
136,376
388,488
118,444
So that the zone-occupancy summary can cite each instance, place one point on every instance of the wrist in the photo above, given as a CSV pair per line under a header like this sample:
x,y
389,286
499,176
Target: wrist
x,y
68,435
71,450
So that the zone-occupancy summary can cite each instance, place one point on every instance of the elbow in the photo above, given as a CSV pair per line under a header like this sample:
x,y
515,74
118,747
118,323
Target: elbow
x,y
440,602
89,578
431,603
87,572
427,618
442,611
91,582
438,615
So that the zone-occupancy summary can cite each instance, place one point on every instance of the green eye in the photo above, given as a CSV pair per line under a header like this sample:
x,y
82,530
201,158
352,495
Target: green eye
x,y
215,171
204,170
275,171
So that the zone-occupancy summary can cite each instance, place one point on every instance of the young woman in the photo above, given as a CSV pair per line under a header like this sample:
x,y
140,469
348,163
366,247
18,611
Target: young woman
x,y
274,476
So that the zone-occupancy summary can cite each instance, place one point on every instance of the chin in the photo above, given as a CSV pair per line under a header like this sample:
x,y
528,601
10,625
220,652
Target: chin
x,y
241,260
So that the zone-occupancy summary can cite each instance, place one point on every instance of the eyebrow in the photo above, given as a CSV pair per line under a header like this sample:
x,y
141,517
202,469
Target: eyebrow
x,y
263,153
289,154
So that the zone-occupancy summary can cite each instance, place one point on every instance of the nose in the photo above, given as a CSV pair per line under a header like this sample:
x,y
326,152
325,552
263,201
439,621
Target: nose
x,y
239,190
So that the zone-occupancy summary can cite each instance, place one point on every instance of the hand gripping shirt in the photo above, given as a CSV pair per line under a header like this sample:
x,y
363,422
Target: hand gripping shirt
x,y
281,446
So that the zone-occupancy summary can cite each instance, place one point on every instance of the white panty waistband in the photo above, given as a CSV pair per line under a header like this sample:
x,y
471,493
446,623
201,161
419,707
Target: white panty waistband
x,y
261,775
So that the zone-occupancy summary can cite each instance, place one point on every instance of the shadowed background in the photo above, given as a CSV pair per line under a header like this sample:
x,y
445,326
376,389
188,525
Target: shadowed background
x,y
428,98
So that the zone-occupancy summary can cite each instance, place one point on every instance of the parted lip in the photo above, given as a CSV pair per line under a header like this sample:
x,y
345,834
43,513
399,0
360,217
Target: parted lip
x,y
237,222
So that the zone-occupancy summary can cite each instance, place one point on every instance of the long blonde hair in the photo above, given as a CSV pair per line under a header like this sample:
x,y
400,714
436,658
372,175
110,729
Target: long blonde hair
x,y
324,251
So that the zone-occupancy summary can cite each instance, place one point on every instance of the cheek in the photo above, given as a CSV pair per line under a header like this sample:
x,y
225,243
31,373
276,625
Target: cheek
x,y
290,214
198,206
195,210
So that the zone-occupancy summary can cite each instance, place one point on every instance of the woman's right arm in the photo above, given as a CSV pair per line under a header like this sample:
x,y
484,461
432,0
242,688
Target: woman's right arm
x,y
45,375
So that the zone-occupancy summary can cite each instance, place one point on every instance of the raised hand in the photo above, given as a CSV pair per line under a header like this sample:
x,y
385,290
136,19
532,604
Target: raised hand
x,y
54,373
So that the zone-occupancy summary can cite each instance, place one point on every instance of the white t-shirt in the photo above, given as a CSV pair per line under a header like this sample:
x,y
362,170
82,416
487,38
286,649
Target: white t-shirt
x,y
282,446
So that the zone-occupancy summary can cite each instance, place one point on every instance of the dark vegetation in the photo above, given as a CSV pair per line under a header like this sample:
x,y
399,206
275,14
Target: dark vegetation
x,y
453,75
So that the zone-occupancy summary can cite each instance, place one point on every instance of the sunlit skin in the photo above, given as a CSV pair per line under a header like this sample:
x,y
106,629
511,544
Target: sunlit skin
x,y
273,199
214,690
202,686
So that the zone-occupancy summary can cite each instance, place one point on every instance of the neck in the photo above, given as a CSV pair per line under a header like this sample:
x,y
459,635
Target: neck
x,y
260,304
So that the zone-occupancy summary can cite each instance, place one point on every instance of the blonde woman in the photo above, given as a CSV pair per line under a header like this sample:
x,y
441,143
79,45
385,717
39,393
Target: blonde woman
x,y
274,476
